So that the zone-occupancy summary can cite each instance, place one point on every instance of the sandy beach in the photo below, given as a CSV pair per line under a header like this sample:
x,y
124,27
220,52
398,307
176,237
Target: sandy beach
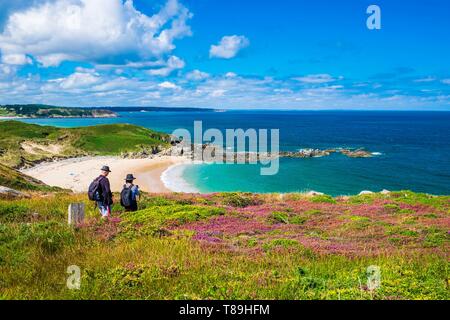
x,y
76,174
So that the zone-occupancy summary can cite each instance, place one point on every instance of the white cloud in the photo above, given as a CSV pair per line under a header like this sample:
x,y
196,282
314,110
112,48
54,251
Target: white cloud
x,y
6,70
231,75
159,63
197,75
168,85
91,30
77,80
173,63
427,79
283,91
228,47
446,81
316,78
15,59
116,84
218,93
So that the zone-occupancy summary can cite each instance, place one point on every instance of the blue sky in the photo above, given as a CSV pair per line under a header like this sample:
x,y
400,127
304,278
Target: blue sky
x,y
288,54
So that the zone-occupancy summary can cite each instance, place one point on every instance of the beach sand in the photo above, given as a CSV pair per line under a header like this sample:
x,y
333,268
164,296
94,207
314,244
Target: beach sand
x,y
76,174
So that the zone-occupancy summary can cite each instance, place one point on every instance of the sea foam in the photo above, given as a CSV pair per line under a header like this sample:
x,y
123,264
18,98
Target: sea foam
x,y
173,179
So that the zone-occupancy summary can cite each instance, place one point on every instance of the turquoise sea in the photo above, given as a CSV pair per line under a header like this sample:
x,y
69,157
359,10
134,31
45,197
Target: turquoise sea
x,y
413,150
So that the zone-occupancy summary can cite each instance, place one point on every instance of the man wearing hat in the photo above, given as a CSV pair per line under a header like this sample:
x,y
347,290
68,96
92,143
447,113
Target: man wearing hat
x,y
129,194
106,197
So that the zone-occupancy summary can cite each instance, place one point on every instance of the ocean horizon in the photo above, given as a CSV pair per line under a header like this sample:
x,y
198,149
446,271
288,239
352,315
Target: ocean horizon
x,y
411,150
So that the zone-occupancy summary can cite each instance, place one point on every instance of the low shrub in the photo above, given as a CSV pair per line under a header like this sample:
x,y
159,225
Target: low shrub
x,y
323,199
297,219
13,212
152,221
279,217
286,218
280,243
237,200
435,237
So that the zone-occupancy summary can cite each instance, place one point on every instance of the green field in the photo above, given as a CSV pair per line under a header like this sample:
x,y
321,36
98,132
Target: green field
x,y
23,144
228,246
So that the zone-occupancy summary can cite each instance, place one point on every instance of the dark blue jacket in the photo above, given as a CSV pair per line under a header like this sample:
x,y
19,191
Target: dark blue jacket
x,y
105,191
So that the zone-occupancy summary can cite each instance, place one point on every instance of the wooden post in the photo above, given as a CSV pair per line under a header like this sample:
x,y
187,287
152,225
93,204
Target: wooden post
x,y
76,213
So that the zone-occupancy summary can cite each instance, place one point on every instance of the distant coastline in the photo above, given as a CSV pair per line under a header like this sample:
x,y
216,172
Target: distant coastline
x,y
35,111
152,109
62,117
43,111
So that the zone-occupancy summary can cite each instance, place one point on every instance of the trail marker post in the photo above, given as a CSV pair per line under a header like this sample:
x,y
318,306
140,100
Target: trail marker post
x,y
76,213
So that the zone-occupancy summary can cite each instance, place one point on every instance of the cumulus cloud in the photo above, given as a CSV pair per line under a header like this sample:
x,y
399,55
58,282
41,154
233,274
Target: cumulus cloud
x,y
168,85
16,59
228,47
197,75
91,30
316,78
218,93
81,78
173,63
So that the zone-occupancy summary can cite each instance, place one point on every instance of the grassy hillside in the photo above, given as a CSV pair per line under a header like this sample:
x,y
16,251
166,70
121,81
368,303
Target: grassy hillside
x,y
229,246
15,180
22,144
46,111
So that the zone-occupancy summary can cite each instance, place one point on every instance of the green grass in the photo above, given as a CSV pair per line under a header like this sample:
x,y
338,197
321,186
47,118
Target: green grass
x,y
286,218
236,199
409,197
152,221
15,180
114,139
323,199
144,256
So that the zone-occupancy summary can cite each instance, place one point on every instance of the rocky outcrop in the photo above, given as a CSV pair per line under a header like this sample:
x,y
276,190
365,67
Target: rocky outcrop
x,y
104,114
307,153
360,153
317,153
180,149
8,193
147,152
314,193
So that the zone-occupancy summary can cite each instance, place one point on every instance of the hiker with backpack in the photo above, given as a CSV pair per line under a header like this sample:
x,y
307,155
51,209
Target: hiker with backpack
x,y
100,192
129,194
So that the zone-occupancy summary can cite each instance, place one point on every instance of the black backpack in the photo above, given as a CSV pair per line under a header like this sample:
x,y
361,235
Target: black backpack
x,y
126,197
94,193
